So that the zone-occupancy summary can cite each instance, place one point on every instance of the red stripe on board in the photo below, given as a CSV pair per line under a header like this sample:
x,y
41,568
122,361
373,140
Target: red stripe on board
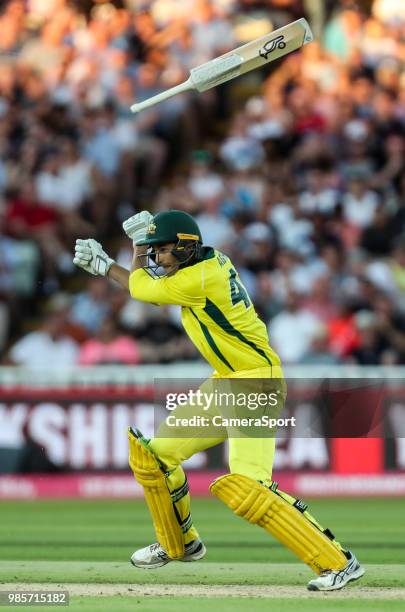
x,y
361,411
357,456
98,486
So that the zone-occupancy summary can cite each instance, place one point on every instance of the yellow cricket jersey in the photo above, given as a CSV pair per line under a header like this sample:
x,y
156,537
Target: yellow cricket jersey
x,y
216,312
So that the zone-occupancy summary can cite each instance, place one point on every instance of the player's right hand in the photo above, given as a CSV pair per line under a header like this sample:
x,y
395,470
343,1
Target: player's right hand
x,y
90,256
136,227
83,256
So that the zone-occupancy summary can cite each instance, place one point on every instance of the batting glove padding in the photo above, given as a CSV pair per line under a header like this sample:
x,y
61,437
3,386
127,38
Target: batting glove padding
x,y
136,227
90,256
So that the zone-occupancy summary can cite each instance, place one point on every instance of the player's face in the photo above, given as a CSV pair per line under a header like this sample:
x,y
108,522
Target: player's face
x,y
165,258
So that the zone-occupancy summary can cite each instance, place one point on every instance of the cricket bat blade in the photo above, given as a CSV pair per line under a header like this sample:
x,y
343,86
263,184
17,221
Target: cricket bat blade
x,y
253,54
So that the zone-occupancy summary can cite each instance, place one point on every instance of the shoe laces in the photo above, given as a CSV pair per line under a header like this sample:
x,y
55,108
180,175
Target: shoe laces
x,y
154,547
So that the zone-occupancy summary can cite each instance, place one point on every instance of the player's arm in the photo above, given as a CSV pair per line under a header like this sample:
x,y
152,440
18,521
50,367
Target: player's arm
x,y
183,288
138,256
120,275
90,256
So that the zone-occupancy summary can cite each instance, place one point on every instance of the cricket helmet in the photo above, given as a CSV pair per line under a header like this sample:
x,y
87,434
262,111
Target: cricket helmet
x,y
173,226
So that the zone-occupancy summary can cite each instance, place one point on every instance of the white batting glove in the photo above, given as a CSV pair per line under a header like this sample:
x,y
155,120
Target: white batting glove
x,y
83,256
90,256
136,227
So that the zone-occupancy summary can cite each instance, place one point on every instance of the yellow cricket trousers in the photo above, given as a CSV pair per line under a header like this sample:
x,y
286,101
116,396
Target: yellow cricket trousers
x,y
249,456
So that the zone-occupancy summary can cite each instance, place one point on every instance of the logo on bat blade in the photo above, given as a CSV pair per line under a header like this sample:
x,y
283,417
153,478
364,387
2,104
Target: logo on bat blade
x,y
276,43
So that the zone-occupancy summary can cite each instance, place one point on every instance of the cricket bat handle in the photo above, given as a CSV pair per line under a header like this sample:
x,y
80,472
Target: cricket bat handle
x,y
164,95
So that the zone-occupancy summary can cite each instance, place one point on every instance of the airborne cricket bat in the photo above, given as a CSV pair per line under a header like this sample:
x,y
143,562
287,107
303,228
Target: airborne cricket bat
x,y
252,55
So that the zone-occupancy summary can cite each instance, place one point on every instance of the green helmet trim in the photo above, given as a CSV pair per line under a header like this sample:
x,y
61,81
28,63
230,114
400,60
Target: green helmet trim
x,y
171,226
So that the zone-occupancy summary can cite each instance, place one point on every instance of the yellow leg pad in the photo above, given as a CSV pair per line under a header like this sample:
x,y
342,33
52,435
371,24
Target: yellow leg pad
x,y
149,474
259,505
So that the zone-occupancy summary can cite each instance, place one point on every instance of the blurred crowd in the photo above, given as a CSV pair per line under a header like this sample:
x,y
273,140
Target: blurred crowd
x,y
296,171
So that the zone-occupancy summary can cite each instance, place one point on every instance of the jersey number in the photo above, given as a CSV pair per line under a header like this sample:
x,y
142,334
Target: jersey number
x,y
238,292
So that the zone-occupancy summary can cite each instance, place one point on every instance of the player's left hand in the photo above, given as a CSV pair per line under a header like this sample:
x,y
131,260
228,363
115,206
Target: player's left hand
x,y
136,227
90,256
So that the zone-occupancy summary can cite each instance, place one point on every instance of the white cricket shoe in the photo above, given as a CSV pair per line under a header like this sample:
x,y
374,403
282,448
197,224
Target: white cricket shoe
x,y
334,580
154,556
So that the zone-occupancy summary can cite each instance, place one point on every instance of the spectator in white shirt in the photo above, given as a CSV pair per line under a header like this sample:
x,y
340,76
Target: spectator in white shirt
x,y
75,177
91,306
318,196
214,227
47,347
293,330
48,183
359,202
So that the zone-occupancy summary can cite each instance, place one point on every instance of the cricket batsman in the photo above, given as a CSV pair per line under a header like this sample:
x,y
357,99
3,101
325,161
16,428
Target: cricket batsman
x,y
171,266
